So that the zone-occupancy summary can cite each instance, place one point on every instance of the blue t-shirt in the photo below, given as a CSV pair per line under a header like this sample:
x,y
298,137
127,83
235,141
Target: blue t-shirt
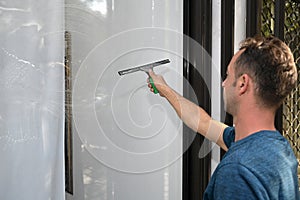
x,y
260,166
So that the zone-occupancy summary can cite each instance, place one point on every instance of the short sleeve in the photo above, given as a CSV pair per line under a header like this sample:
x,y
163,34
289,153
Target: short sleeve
x,y
228,136
235,182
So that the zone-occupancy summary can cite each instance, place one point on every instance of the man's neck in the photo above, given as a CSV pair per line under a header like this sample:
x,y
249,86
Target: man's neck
x,y
253,120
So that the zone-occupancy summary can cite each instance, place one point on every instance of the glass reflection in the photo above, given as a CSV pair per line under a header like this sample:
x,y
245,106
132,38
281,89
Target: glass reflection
x,y
97,6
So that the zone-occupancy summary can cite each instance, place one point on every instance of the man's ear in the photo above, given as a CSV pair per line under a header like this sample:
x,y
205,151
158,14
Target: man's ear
x,y
243,84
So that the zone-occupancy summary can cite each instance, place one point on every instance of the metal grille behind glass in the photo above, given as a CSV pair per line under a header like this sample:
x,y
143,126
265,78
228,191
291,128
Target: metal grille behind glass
x,y
291,106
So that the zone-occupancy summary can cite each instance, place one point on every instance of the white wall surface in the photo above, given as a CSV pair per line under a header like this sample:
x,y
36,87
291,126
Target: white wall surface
x,y
239,23
127,141
216,82
32,99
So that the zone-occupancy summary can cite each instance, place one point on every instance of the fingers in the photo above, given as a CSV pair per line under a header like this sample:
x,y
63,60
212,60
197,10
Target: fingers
x,y
150,86
157,81
151,74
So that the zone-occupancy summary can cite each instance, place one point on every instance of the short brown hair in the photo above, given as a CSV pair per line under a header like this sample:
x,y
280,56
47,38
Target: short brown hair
x,y
270,62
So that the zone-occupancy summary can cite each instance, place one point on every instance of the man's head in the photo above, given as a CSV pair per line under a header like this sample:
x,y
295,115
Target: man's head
x,y
270,65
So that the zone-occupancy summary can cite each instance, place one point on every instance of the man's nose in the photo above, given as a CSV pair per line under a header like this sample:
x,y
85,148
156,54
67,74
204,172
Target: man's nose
x,y
223,83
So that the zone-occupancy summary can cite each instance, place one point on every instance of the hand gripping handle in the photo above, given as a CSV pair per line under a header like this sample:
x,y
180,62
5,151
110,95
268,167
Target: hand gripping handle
x,y
155,90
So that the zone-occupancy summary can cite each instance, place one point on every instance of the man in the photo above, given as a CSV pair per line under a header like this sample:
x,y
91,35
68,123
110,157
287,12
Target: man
x,y
259,162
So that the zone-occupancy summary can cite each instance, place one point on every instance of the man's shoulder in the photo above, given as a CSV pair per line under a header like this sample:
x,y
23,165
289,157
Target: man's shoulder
x,y
261,140
232,169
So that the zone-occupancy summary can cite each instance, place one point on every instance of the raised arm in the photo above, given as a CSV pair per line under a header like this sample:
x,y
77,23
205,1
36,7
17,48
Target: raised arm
x,y
191,114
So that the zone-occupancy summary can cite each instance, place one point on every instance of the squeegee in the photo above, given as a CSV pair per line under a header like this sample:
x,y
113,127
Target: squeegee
x,y
145,68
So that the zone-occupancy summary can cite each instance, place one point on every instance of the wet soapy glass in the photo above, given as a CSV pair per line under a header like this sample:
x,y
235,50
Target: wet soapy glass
x,y
124,138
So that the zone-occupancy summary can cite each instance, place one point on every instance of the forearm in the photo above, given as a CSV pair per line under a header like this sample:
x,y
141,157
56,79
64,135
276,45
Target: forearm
x,y
191,114
195,117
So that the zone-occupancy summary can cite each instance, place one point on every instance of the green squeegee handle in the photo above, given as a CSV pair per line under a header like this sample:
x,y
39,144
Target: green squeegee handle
x,y
155,91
